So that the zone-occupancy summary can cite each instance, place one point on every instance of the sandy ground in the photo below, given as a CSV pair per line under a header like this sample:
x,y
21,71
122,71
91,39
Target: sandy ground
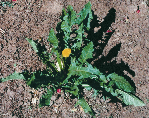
x,y
33,19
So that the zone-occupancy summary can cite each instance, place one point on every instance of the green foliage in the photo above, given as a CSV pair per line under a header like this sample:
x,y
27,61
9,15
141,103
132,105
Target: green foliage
x,y
85,106
53,39
87,53
45,100
33,44
83,72
79,37
70,19
75,71
13,76
83,14
5,4
73,89
129,99
120,83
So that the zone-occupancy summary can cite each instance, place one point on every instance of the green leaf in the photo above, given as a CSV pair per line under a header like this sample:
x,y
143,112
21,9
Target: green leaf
x,y
58,60
71,15
83,14
53,39
95,93
73,90
33,44
87,53
66,29
13,76
127,98
83,72
88,87
120,82
45,100
31,79
110,89
85,106
79,37
89,19
68,19
130,99
63,14
65,25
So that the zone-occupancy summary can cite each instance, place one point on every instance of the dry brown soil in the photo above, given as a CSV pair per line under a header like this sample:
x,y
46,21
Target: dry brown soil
x,y
34,18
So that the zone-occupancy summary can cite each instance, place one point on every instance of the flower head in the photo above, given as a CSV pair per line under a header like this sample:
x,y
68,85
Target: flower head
x,y
66,52
58,90
109,31
138,11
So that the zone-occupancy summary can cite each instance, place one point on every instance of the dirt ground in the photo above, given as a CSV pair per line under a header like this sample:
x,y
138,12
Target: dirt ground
x,y
34,18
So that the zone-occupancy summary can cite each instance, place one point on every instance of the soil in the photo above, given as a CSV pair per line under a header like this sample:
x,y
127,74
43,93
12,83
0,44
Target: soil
x,y
34,19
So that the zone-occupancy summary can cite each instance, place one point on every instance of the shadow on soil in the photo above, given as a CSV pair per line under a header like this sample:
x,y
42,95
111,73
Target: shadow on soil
x,y
104,64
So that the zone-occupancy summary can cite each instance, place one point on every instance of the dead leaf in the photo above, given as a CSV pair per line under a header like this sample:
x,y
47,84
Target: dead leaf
x,y
74,109
81,109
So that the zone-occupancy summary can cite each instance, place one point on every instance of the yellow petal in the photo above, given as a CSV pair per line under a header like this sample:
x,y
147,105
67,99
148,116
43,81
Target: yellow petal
x,y
66,52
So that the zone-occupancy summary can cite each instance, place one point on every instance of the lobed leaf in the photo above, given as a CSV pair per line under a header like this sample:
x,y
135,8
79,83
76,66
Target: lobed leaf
x,y
53,39
85,106
65,24
73,90
68,19
83,72
63,14
31,79
79,37
120,82
130,99
71,15
45,100
83,14
110,89
87,53
13,76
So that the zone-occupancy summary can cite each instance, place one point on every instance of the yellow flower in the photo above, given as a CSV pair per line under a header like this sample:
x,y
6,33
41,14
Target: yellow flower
x,y
66,52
